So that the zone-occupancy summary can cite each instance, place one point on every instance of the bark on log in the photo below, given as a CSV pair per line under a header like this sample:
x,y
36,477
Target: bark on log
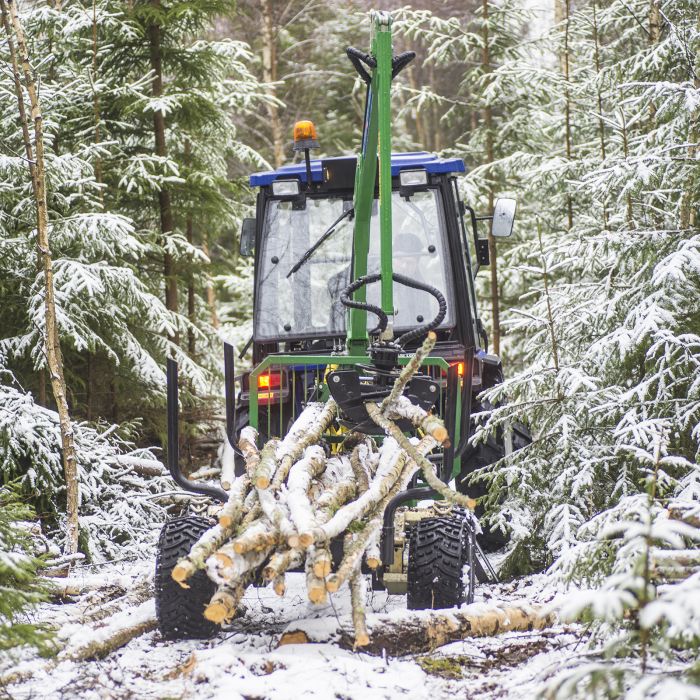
x,y
357,462
409,370
390,467
233,508
281,562
420,632
301,476
267,465
427,468
315,586
259,535
228,466
359,620
303,433
427,422
224,603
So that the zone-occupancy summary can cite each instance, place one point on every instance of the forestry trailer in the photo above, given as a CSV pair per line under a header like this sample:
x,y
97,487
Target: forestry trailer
x,y
368,355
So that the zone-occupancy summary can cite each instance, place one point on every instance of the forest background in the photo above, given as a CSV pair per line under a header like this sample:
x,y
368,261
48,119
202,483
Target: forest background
x,y
154,112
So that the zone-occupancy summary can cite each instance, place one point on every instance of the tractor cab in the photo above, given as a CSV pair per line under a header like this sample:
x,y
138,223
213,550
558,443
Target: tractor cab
x,y
303,243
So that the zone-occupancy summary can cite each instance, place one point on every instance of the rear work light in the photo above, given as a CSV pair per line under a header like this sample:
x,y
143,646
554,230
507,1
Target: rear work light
x,y
285,188
413,178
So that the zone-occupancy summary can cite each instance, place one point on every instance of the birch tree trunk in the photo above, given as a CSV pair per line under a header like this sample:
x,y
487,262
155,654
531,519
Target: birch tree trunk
x,y
164,203
38,174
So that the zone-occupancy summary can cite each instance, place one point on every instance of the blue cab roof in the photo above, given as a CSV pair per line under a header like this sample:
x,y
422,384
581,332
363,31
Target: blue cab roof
x,y
399,162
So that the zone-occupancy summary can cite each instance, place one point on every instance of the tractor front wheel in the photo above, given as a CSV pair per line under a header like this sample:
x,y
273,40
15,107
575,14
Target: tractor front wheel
x,y
180,611
438,553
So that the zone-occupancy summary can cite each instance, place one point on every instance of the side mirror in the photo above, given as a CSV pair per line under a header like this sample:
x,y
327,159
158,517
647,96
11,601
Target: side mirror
x,y
503,217
247,237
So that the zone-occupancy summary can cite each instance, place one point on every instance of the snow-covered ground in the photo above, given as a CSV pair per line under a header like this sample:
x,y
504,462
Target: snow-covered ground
x,y
244,661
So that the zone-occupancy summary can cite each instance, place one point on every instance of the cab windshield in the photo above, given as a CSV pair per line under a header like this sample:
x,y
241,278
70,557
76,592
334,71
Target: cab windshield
x,y
307,303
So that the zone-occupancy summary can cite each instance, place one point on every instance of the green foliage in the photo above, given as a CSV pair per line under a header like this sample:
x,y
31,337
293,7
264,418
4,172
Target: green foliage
x,y
20,588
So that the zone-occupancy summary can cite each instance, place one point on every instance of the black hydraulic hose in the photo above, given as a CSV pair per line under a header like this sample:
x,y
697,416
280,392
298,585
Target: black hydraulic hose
x,y
383,318
345,300
439,318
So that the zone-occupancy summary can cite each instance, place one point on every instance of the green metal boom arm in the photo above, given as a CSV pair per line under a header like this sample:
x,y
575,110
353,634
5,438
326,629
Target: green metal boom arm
x,y
376,137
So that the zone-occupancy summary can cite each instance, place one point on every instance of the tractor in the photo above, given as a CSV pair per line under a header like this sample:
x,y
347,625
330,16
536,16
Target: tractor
x,y
356,259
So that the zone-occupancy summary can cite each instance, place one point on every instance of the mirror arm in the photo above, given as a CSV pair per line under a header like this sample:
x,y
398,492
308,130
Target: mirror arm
x,y
475,232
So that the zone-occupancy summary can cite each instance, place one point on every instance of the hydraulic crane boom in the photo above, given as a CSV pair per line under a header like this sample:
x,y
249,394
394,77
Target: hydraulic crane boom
x,y
377,68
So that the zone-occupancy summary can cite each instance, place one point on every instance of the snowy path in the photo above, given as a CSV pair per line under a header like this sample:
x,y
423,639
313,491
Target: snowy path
x,y
243,662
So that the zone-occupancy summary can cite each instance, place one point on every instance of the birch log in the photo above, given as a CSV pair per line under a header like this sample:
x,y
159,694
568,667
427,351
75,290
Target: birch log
x,y
403,633
427,468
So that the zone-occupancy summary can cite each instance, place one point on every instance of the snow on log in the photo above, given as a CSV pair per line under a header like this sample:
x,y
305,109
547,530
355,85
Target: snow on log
x,y
267,465
390,466
228,466
298,484
121,629
305,431
401,633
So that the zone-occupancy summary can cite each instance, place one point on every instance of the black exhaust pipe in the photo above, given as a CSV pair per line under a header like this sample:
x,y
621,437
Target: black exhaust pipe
x,y
174,443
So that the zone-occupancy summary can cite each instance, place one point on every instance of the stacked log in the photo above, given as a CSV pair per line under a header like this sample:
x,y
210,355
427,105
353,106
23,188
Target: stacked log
x,y
294,498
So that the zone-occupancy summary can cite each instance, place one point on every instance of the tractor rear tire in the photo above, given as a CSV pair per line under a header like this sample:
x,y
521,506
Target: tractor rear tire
x,y
180,611
438,550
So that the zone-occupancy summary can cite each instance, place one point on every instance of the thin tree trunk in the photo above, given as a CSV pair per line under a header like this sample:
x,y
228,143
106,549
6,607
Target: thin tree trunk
x,y
96,99
29,152
562,13
164,203
270,76
599,96
488,123
421,131
210,291
625,148
654,37
89,386
189,231
191,346
53,349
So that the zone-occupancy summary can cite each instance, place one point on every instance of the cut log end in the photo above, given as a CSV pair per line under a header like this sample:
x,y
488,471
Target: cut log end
x,y
293,541
226,521
181,573
306,539
440,434
295,637
317,594
361,640
373,562
216,612
279,586
222,560
262,482
333,583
